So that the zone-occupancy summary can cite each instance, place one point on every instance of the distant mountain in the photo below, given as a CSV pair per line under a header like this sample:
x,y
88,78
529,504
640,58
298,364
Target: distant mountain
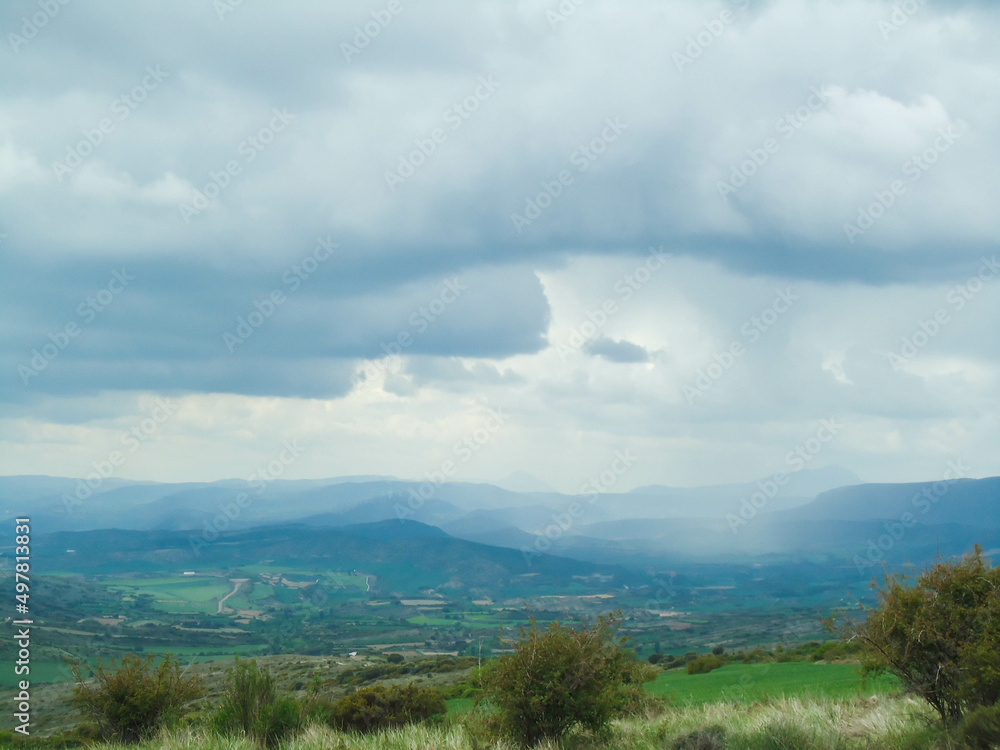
x,y
973,502
638,527
393,507
798,488
404,555
521,481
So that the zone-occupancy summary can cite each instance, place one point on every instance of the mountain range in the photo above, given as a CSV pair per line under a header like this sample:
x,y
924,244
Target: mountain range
x,y
824,513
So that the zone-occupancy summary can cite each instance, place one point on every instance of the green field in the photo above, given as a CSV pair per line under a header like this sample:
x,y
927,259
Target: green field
x,y
746,683
179,593
442,622
261,591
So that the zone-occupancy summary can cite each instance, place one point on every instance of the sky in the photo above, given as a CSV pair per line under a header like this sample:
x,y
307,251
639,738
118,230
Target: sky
x,y
465,239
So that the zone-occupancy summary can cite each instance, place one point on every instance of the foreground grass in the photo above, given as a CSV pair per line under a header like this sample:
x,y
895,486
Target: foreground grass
x,y
888,723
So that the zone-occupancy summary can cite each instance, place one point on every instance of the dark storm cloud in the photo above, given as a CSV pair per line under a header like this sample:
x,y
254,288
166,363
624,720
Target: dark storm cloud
x,y
186,93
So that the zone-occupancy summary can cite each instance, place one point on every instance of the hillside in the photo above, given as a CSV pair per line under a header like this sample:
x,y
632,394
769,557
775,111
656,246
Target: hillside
x,y
403,555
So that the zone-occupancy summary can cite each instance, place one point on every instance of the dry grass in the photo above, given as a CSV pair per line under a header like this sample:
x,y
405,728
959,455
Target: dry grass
x,y
886,723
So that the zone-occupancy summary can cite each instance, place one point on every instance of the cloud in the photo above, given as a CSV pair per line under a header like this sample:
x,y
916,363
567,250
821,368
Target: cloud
x,y
617,351
486,110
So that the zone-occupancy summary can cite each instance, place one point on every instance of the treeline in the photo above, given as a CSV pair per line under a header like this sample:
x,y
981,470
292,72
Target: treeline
x,y
813,651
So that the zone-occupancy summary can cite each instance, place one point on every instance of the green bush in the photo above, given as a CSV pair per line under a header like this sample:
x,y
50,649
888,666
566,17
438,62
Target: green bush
x,y
655,658
981,728
380,707
704,664
560,677
940,635
251,706
395,658
131,703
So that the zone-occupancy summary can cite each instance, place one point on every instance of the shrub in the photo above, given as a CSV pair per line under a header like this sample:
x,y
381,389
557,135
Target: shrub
x,y
252,706
380,707
655,658
940,635
560,677
981,728
704,664
131,703
395,658
718,650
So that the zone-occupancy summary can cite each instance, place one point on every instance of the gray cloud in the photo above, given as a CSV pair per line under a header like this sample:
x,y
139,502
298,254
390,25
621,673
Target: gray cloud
x,y
537,143
617,351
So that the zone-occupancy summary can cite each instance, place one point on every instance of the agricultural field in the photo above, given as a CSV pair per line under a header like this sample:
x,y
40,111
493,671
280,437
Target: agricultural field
x,y
178,594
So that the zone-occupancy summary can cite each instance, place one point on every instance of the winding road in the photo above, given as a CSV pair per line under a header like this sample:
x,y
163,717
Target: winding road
x,y
237,582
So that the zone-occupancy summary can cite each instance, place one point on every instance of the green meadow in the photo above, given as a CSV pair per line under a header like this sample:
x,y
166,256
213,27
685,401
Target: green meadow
x,y
747,683
179,593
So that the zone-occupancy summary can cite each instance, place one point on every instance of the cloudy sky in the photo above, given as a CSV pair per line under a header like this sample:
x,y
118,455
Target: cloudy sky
x,y
687,230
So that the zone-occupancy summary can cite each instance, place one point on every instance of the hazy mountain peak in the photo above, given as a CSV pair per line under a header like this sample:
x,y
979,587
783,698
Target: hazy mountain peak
x,y
522,481
811,482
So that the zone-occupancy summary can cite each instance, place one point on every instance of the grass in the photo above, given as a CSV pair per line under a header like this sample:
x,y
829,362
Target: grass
x,y
891,723
179,594
460,705
745,683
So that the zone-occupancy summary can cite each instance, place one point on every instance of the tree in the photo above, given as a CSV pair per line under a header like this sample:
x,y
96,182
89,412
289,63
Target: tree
x,y
252,706
559,677
131,703
940,635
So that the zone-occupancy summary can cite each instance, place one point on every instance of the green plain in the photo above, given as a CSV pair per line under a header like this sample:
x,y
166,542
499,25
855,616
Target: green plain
x,y
746,683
